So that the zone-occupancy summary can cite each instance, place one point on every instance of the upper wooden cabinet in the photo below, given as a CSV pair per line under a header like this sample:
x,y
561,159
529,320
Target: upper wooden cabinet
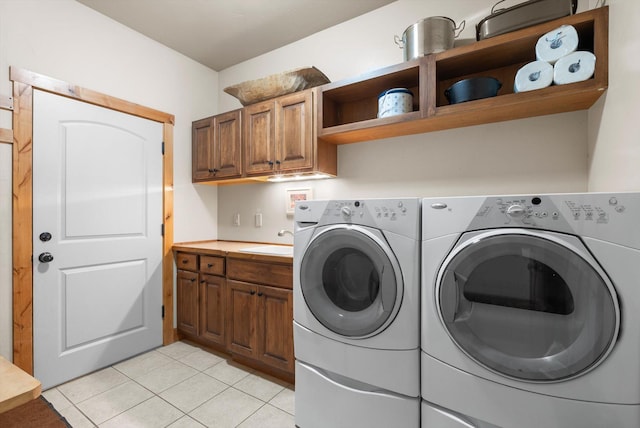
x,y
347,110
276,137
217,147
279,135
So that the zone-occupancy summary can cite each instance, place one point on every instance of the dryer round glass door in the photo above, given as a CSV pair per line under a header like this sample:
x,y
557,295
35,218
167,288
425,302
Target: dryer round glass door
x,y
351,280
530,305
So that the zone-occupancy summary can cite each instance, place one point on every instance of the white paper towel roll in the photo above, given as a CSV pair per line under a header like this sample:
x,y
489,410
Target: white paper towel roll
x,y
557,43
535,75
574,67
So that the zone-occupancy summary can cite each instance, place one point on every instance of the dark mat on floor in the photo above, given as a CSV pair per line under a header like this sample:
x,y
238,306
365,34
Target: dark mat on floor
x,y
36,413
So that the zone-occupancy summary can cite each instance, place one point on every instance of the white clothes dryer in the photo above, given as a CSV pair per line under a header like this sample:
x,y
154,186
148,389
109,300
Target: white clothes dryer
x,y
530,311
357,313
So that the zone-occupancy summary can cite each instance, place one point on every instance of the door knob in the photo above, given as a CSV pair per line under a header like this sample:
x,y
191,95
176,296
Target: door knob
x,y
45,236
45,257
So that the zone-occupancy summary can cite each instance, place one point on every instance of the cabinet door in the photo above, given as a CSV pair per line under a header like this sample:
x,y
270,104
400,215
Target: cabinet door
x,y
241,318
212,302
259,138
202,149
294,131
227,145
187,297
275,321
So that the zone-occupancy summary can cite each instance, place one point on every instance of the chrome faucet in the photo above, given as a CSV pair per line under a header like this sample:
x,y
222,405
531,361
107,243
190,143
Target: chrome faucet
x,y
284,232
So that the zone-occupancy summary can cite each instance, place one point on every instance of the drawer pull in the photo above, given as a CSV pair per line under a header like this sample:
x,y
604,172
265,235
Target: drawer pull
x,y
209,265
185,261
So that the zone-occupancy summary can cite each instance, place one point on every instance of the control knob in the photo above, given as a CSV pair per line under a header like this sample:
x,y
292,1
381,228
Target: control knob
x,y
346,211
516,211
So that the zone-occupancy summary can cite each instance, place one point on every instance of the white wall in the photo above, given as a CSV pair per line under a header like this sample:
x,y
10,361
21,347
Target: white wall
x,y
614,125
537,155
577,151
65,40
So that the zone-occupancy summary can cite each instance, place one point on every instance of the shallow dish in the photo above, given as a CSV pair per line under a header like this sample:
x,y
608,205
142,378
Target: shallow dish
x,y
265,88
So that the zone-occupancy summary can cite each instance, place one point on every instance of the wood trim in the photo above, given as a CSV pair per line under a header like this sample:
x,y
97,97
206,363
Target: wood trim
x,y
6,136
22,227
22,137
168,335
59,87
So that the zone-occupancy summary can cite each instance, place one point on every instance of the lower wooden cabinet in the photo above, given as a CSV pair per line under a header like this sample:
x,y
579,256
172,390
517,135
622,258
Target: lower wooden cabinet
x,y
275,327
187,297
201,297
244,307
212,304
261,323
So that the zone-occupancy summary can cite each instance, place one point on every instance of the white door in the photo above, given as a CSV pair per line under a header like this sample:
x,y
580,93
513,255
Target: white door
x,y
97,237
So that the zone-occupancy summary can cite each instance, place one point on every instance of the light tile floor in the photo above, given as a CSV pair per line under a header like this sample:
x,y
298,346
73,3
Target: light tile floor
x,y
177,386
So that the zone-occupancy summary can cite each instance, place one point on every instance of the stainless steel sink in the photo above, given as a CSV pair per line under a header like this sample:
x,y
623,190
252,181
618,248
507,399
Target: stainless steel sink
x,y
275,250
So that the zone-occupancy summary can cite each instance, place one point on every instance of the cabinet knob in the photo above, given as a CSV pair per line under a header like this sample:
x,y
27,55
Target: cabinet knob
x,y
260,294
278,162
209,265
252,292
213,171
270,163
192,279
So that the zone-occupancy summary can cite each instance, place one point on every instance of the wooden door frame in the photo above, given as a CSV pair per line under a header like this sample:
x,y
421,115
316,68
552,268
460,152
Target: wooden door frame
x,y
24,83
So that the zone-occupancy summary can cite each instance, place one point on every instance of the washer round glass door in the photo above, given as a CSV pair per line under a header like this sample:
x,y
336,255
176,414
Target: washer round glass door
x,y
528,305
350,280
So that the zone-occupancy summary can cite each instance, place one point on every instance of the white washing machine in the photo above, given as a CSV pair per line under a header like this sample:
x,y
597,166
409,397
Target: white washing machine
x,y
356,307
531,311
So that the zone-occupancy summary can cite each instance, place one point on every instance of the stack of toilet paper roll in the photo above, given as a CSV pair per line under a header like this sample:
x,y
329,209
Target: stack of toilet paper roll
x,y
557,61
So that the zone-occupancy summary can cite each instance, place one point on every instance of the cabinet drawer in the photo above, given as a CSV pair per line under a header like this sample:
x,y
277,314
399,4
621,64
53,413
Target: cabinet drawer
x,y
187,261
212,265
278,275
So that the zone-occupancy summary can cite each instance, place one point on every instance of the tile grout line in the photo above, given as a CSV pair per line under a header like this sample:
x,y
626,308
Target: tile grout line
x,y
177,358
263,404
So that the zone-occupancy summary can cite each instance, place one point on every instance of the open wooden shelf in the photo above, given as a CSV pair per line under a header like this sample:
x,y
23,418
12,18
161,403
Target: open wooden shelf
x,y
347,110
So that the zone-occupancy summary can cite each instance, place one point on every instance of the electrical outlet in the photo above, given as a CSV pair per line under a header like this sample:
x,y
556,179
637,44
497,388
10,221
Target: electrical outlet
x,y
236,219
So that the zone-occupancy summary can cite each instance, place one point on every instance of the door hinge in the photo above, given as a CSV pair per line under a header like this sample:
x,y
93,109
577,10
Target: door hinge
x,y
163,147
6,102
162,311
162,229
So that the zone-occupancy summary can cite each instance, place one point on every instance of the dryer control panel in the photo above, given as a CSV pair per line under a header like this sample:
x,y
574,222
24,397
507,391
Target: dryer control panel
x,y
605,216
542,211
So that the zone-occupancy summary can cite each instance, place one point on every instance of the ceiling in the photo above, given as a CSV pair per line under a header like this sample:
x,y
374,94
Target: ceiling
x,y
222,33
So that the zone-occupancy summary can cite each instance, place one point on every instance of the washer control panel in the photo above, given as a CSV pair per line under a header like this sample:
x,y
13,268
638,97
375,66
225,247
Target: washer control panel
x,y
396,215
377,210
